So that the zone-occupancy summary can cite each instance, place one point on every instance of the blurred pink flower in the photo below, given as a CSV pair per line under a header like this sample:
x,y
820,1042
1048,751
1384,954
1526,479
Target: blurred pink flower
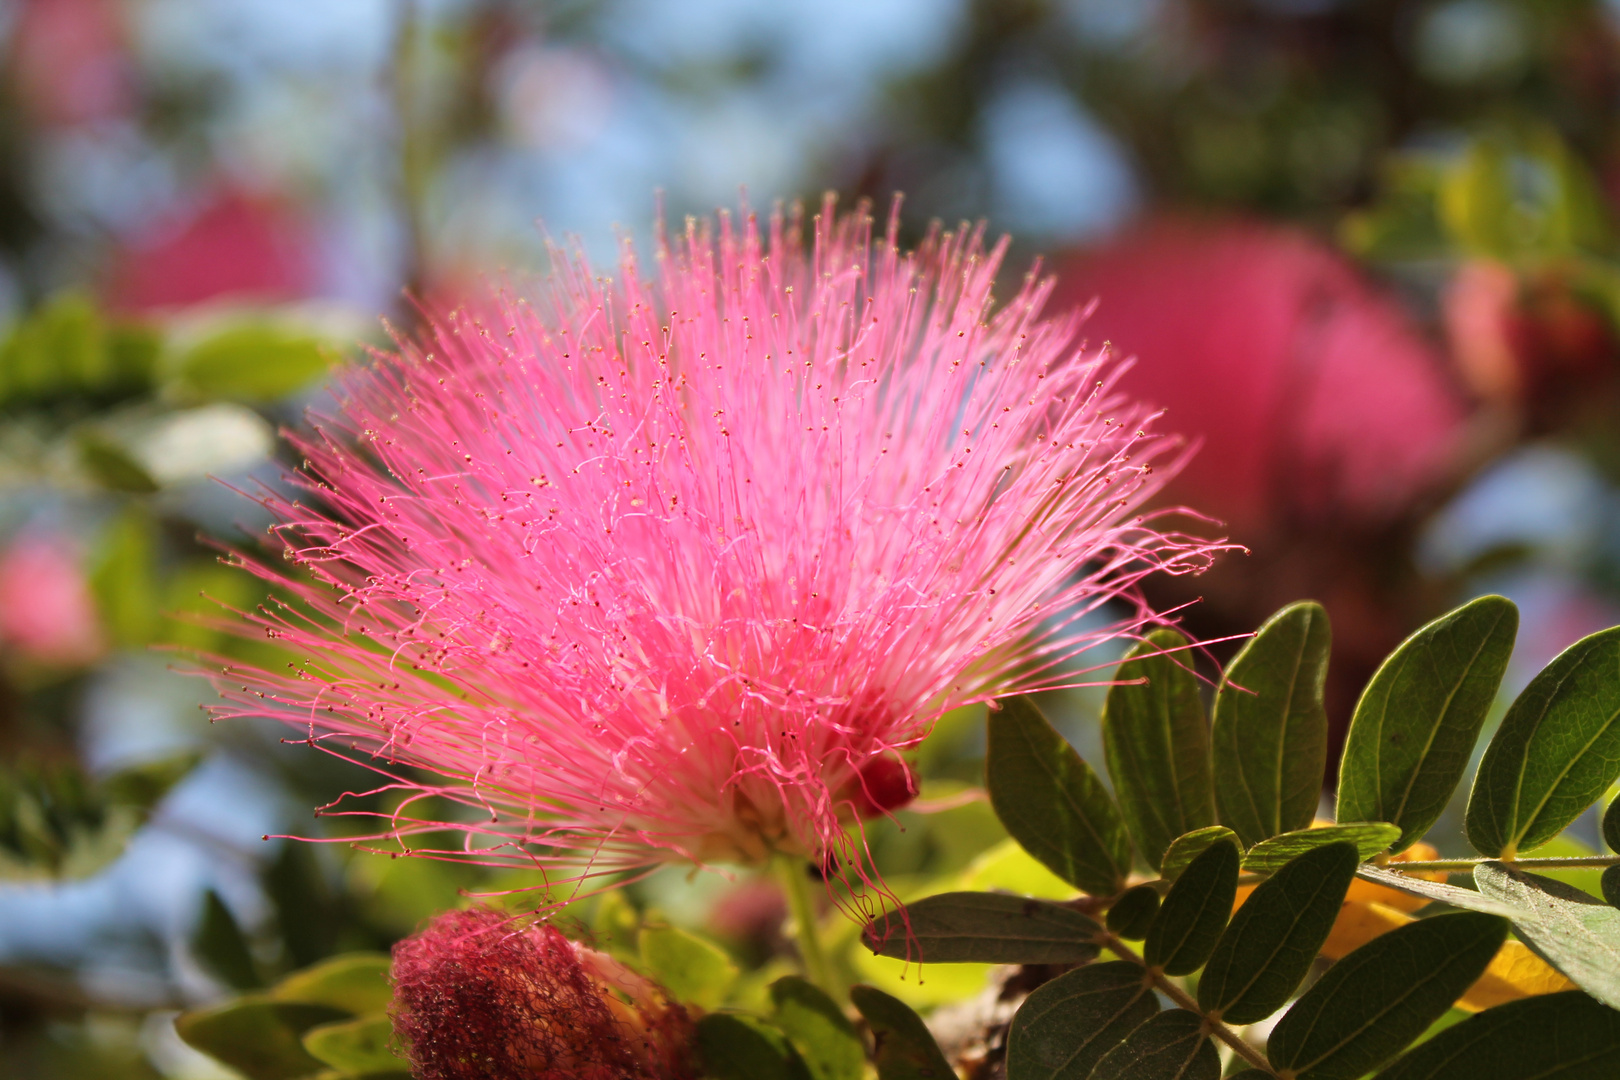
x,y
673,567
480,995
1314,394
47,615
229,244
70,61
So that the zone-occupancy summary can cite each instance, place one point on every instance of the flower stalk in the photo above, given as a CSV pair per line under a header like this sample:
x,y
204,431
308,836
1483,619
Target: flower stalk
x,y
792,873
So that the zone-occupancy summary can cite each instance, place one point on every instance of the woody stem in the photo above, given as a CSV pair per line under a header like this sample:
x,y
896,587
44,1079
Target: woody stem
x,y
1240,1046
791,872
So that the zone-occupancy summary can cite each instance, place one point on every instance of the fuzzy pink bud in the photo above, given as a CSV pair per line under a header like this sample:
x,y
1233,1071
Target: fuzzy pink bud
x,y
47,614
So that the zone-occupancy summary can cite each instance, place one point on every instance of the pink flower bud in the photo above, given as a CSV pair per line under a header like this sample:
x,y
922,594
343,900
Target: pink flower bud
x,y
47,615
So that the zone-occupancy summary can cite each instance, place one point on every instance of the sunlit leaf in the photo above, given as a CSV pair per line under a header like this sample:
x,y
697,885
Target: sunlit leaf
x,y
690,968
1184,849
1271,942
1156,741
1572,930
1052,803
357,982
259,1037
1270,732
818,1029
986,928
363,1047
1416,723
903,1047
1370,837
1557,751
1066,1026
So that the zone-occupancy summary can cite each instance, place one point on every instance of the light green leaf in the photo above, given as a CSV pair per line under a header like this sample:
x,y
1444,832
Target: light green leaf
x,y
903,1048
1416,723
1566,1036
1572,930
1370,837
249,361
983,928
1052,803
733,1046
818,1028
1184,849
1467,899
1195,911
1132,914
260,1038
1270,736
1372,1004
690,968
1156,742
1066,1026
357,982
1271,942
1171,1046
1557,751
362,1046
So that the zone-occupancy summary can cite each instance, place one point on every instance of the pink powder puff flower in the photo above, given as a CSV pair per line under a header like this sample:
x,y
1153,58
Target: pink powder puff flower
x,y
481,996
47,614
673,567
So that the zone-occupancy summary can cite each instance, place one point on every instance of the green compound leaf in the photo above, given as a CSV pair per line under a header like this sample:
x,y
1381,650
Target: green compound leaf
x,y
1194,911
1273,939
983,928
1372,1004
903,1048
260,1038
1067,1025
1557,751
1566,1036
1171,1046
1370,837
1051,801
1132,914
363,1047
732,1046
818,1029
1572,930
1156,742
1271,733
1467,899
690,968
1187,847
1418,719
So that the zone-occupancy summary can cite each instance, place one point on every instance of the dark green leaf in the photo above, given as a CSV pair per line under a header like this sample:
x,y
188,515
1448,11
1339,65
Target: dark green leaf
x,y
1194,911
1252,1074
1184,849
1372,1004
1467,899
1133,912
1566,1036
222,948
1156,741
902,1047
1416,723
1270,735
112,466
251,362
984,928
1556,752
1171,1046
733,1046
362,1046
818,1028
357,982
690,968
1572,930
1611,825
1610,884
309,911
1370,837
1067,1025
144,785
1052,803
258,1037
1273,939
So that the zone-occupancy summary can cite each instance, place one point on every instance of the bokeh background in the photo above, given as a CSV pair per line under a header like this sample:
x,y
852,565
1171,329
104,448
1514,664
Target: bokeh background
x,y
1365,252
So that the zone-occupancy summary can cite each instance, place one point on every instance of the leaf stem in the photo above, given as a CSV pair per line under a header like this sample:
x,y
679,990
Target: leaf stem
x,y
1529,864
790,871
1239,1045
